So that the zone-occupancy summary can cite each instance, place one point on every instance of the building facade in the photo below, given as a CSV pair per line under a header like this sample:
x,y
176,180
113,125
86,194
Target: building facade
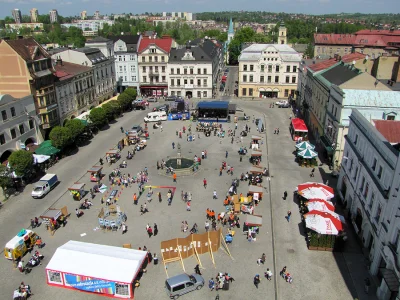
x,y
103,69
153,58
282,37
34,13
126,61
31,26
35,76
16,13
368,185
75,89
83,15
89,25
18,127
268,70
106,46
53,16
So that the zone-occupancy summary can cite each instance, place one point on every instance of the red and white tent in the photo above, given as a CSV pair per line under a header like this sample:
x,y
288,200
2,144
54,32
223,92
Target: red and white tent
x,y
315,190
324,222
320,204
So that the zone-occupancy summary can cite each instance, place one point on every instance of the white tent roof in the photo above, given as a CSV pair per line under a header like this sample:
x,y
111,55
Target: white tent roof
x,y
98,261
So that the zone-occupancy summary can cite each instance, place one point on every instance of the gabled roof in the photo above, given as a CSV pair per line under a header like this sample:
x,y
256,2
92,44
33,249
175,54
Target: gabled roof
x,y
348,58
28,49
334,39
196,52
164,44
370,40
98,39
68,70
380,32
128,39
389,129
338,74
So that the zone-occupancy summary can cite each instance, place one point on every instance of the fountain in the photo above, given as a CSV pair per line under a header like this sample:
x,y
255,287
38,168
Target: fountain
x,y
181,165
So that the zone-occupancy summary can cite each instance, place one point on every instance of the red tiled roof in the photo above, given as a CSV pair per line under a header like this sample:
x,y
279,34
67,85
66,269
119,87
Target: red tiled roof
x,y
28,49
164,44
389,129
68,70
353,56
348,58
378,32
334,39
369,40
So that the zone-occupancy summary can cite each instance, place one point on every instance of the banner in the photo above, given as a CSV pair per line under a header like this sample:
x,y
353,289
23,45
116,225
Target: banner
x,y
90,285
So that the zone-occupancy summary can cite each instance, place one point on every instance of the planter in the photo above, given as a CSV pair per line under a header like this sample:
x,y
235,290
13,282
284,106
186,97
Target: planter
x,y
321,248
329,249
312,248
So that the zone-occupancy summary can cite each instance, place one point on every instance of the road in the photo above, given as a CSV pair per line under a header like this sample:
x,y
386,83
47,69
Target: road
x,y
315,273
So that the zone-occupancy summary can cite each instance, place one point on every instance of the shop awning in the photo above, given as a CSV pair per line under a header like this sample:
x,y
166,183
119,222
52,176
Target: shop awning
x,y
327,144
46,148
109,263
299,125
213,105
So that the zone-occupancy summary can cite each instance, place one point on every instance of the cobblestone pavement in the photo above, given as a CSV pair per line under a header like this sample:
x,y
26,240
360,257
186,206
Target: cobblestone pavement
x,y
316,274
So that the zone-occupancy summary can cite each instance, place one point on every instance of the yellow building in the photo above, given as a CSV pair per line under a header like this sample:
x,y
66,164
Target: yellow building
x,y
268,71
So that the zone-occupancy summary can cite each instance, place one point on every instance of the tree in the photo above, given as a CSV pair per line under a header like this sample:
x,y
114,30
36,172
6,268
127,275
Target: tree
x,y
124,101
61,137
5,180
98,117
309,53
111,110
76,127
21,162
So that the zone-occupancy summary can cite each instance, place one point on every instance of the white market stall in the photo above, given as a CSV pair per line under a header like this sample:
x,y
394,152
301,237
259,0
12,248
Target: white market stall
x,y
106,270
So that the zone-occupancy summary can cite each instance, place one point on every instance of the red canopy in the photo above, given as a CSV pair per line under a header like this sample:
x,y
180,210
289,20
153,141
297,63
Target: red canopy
x,y
308,185
299,125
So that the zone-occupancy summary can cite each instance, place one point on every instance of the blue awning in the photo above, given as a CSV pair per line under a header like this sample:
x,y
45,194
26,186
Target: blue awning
x,y
213,105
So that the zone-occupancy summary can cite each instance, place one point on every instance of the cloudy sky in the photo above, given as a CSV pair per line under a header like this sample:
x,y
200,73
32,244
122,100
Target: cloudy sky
x,y
73,7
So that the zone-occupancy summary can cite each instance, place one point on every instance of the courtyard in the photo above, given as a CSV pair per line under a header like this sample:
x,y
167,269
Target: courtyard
x,y
316,274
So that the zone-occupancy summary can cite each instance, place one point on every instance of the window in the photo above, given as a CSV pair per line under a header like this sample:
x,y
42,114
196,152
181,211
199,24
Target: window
x,y
198,94
155,58
380,172
191,81
13,133
178,71
269,79
13,112
371,202
172,70
287,69
251,67
178,82
286,93
156,69
390,118
172,82
277,68
21,129
150,59
276,79
355,174
374,164
205,82
251,78
4,115
144,78
144,69
198,82
191,71
198,71
31,124
244,92
163,78
244,78
133,78
366,190
356,139
250,92
178,287
143,59
205,94
378,213
269,68
54,276
244,67
162,59
293,79
204,71
184,81
163,69
121,289
185,71
262,68
133,69
2,139
126,79
261,78
362,184
287,80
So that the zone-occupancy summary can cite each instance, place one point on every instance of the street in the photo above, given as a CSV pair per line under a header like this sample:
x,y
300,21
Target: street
x,y
314,273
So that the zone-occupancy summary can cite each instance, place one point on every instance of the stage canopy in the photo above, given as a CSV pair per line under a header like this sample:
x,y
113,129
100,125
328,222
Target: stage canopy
x,y
97,261
213,105
299,125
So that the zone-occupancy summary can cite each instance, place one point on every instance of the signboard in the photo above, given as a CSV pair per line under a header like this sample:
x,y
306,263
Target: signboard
x,y
159,93
188,86
89,284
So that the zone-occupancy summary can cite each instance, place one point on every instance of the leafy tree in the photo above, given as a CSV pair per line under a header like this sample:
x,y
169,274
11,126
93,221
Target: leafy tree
x,y
61,137
111,110
21,162
98,117
132,93
309,53
5,180
76,127
235,47
124,101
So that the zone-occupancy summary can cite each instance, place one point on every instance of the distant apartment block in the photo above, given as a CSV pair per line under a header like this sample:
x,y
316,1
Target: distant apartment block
x,y
53,16
89,25
31,26
34,15
96,15
83,15
16,13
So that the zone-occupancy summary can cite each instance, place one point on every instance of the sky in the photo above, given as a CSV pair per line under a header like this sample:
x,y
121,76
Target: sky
x,y
74,7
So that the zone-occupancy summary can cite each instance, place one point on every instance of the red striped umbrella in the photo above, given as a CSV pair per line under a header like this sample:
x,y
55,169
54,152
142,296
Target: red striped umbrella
x,y
324,222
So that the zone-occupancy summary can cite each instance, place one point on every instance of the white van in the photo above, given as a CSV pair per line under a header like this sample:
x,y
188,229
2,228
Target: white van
x,y
156,116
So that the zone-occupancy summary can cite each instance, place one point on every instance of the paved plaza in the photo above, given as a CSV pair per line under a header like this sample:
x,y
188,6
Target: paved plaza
x,y
316,274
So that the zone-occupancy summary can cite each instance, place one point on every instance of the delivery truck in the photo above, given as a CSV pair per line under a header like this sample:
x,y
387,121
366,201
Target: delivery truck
x,y
44,185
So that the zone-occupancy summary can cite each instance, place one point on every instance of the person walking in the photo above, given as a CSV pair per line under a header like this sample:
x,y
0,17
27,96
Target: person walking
x,y
256,280
155,229
174,177
173,145
159,197
135,199
150,231
284,195
101,161
207,226
289,213
211,284
268,274
220,171
205,183
312,172
367,285
277,131
197,269
226,154
283,272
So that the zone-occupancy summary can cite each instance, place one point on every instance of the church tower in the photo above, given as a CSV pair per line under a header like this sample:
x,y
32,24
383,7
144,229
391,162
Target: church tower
x,y
282,39
231,31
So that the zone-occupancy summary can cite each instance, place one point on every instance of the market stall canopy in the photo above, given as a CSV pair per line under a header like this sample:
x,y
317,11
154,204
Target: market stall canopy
x,y
256,170
324,222
305,145
256,137
95,169
256,153
51,214
299,125
253,220
109,263
38,159
46,148
319,204
77,186
112,151
307,153
315,190
255,189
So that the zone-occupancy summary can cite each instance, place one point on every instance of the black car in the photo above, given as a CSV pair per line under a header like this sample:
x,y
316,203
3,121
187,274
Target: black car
x,y
171,98
164,107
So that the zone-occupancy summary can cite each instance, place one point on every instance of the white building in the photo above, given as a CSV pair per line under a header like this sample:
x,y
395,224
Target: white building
x,y
34,15
53,16
126,61
89,25
268,70
106,46
96,15
75,89
16,13
369,185
83,15
103,69
18,127
31,26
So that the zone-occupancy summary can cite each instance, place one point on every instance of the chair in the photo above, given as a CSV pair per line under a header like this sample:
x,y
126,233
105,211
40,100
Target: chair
x,y
114,226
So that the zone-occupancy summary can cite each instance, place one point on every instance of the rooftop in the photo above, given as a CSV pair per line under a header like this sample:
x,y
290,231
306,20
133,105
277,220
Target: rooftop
x,y
192,53
389,129
380,32
334,39
67,70
164,44
98,39
129,39
286,52
371,98
348,58
28,49
340,73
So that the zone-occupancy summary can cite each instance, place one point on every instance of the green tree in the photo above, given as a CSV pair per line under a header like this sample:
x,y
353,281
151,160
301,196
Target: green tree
x,y
21,162
132,93
98,117
76,127
61,137
5,180
235,47
124,101
111,110
309,53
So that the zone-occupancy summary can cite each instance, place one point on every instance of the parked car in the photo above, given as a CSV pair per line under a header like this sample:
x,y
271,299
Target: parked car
x,y
137,105
171,98
164,107
182,284
282,104
152,99
136,129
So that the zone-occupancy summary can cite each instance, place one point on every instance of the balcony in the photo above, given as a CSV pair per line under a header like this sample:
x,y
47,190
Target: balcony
x,y
48,108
